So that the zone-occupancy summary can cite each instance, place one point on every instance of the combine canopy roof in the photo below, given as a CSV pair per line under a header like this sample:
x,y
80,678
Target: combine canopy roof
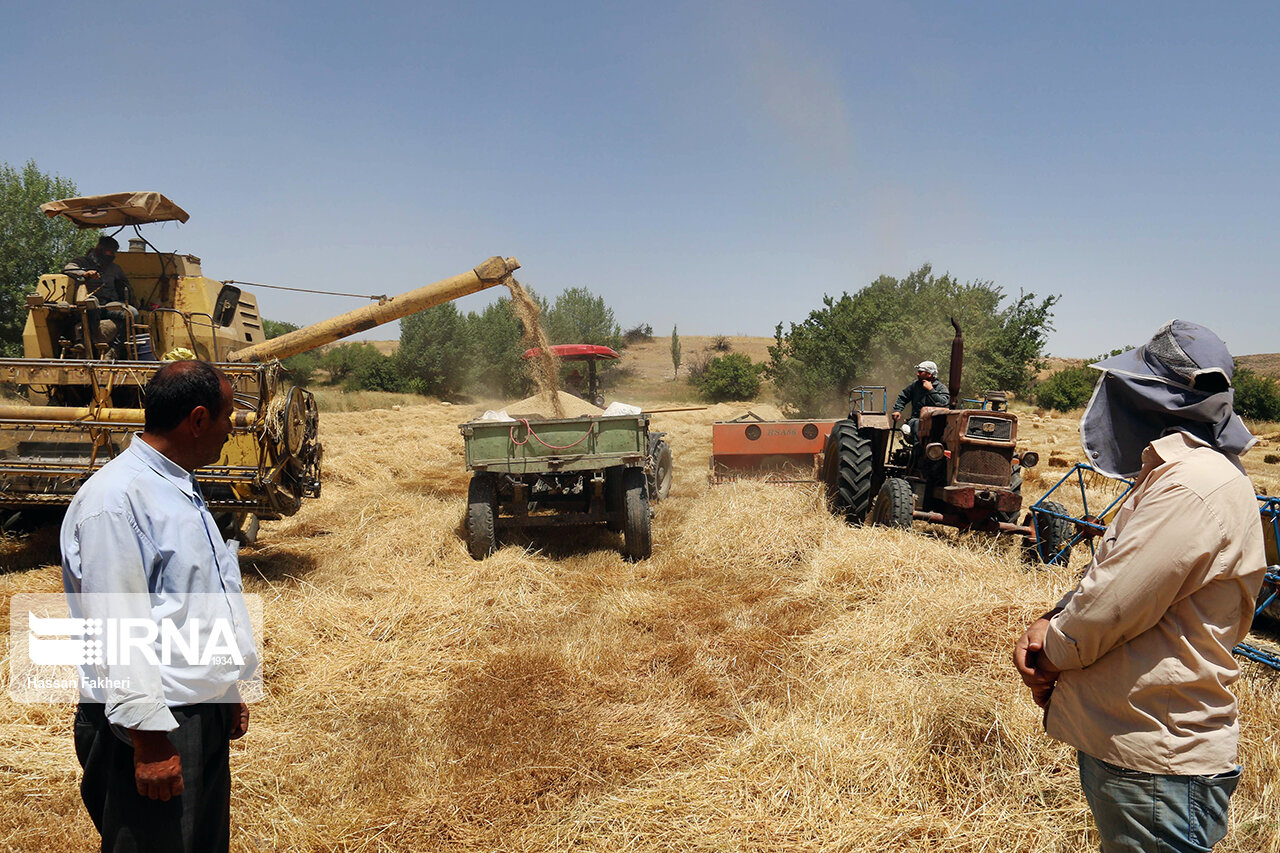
x,y
575,352
99,211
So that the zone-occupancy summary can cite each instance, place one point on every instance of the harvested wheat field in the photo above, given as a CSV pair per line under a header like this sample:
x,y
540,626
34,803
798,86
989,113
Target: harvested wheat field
x,y
770,680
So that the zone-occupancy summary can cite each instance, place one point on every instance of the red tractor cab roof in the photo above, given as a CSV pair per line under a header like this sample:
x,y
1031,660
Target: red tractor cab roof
x,y
575,352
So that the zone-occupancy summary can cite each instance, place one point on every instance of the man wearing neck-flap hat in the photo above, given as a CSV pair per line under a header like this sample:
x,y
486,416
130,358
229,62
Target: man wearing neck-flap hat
x,y
1133,666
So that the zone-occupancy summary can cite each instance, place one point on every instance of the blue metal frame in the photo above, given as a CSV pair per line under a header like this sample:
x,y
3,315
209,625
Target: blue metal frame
x,y
1269,507
1081,525
1270,510
862,394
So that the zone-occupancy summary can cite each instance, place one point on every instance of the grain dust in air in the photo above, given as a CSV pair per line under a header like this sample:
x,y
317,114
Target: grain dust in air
x,y
545,368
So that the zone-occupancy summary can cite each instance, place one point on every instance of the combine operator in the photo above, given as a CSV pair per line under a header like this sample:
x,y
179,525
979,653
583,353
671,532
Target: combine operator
x,y
927,390
102,278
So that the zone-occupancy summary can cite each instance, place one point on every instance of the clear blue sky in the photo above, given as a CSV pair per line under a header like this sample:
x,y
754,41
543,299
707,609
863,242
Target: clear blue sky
x,y
720,165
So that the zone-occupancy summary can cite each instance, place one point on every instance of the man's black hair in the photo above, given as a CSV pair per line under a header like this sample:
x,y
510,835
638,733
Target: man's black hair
x,y
175,391
105,242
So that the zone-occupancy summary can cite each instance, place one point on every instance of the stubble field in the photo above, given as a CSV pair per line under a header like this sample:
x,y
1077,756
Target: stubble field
x,y
771,679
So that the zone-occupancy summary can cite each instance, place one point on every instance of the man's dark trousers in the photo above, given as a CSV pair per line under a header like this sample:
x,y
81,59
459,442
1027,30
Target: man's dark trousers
x,y
197,820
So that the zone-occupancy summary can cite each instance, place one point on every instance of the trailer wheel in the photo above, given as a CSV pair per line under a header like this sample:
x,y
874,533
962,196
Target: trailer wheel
x,y
637,536
615,508
894,504
1053,535
660,474
848,472
482,516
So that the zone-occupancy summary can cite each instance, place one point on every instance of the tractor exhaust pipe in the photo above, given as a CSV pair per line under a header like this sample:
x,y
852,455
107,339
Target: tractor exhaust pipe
x,y
957,365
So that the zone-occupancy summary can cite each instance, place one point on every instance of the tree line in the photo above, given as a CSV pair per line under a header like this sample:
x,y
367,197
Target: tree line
x,y
444,352
873,336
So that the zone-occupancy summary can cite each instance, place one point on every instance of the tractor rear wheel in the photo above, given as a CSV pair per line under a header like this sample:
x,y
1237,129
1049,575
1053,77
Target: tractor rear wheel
x,y
848,472
894,504
1052,544
637,537
660,472
482,516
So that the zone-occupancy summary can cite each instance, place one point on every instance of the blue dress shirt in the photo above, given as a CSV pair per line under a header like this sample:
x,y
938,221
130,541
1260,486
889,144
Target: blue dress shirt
x,y
138,542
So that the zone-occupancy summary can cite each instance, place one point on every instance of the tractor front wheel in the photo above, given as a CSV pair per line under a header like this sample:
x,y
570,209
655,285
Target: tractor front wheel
x,y
894,504
847,473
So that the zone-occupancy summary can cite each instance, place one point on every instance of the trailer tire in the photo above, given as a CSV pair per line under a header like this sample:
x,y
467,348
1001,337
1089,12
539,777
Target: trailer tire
x,y
848,472
1053,535
637,535
660,474
615,506
894,504
482,516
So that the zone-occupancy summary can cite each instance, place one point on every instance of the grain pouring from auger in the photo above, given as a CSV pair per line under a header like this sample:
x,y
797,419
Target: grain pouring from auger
x,y
83,376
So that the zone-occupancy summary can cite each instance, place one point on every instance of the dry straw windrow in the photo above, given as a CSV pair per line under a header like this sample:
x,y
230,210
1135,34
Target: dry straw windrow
x,y
771,679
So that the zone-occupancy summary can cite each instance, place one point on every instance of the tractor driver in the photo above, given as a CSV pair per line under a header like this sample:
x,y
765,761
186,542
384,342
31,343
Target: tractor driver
x,y
927,390
101,277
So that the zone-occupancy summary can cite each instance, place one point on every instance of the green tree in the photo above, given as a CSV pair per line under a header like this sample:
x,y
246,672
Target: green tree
x,y
729,377
377,372
876,335
1069,388
494,351
431,357
1257,397
578,317
31,244
349,365
301,367
675,351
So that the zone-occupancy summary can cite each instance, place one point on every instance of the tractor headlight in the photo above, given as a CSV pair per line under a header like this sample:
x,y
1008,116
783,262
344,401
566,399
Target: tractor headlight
x,y
1030,459
934,451
906,430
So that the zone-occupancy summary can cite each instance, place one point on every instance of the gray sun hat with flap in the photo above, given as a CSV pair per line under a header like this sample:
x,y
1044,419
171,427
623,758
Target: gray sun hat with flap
x,y
1179,380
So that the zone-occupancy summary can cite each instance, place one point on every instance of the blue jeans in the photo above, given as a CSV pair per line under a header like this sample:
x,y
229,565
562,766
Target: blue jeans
x,y
1144,813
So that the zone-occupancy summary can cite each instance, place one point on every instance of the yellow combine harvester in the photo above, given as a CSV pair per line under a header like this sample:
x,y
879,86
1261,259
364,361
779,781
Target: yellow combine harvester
x,y
83,380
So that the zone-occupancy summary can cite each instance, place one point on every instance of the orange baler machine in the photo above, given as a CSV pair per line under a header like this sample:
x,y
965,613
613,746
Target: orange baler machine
x,y
750,447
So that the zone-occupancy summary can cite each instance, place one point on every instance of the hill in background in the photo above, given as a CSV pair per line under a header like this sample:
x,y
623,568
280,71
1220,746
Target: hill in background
x,y
649,362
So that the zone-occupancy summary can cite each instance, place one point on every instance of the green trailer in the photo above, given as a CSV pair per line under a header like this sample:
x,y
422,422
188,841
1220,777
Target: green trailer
x,y
530,473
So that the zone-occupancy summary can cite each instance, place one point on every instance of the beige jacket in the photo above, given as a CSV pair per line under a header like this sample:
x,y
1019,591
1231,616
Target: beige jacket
x,y
1145,639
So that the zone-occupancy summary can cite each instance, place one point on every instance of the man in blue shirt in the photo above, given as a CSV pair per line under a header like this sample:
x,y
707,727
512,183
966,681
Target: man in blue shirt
x,y
139,543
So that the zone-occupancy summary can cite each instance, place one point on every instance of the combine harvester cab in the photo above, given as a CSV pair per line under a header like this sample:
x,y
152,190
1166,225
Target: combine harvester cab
x,y
84,394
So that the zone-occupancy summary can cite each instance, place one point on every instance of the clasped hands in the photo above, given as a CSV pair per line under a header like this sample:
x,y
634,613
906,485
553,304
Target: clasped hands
x,y
1037,671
